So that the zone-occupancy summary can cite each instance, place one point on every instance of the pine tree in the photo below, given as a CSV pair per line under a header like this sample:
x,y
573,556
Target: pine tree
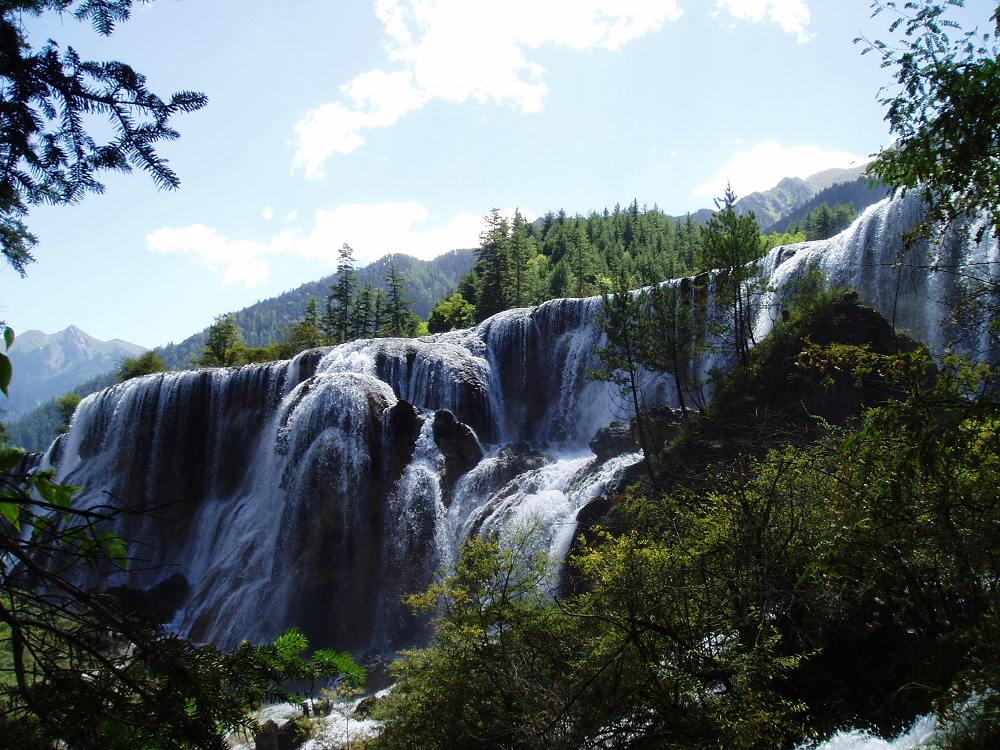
x,y
400,319
493,267
581,261
522,250
363,313
48,156
731,243
341,295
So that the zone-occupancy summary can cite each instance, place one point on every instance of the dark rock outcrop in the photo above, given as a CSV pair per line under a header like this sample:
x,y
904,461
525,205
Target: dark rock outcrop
x,y
404,424
613,440
459,446
160,602
272,736
366,706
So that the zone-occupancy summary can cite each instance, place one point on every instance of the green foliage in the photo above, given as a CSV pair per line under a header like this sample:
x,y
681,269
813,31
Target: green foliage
x,y
776,597
521,263
145,364
399,319
824,221
49,155
731,244
944,112
451,313
493,677
224,344
493,267
66,407
6,371
341,298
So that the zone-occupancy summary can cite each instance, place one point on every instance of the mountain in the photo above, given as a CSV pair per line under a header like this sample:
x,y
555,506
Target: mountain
x,y
857,193
264,322
771,206
48,365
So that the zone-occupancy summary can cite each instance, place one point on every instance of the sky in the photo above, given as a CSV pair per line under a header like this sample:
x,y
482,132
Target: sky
x,y
396,125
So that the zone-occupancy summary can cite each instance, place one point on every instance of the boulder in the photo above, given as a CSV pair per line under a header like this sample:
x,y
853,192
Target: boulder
x,y
459,446
404,429
613,440
365,706
160,602
272,736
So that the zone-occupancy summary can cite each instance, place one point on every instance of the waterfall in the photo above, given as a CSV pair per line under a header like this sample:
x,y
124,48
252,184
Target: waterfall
x,y
314,493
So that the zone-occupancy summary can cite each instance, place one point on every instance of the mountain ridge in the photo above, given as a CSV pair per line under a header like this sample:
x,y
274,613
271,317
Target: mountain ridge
x,y
47,365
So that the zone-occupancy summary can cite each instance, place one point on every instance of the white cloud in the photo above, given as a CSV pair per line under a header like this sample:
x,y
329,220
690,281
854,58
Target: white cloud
x,y
267,213
372,229
292,216
791,15
462,50
762,166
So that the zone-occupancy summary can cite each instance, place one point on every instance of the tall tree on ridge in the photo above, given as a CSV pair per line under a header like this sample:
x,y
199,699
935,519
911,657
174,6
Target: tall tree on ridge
x,y
731,243
522,250
493,266
400,319
341,296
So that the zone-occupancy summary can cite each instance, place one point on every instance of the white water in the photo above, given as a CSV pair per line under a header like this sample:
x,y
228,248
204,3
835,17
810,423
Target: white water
x,y
920,734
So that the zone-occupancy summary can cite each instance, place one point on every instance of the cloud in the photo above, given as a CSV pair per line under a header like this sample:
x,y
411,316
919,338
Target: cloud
x,y
372,229
791,15
466,50
267,213
762,166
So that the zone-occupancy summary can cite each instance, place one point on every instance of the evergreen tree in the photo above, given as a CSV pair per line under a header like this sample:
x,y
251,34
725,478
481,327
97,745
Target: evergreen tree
x,y
731,245
224,344
522,250
493,265
363,313
582,262
307,333
341,296
48,156
400,320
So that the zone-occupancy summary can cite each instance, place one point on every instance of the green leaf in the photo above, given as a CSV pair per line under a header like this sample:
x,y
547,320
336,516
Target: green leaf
x,y
6,371
11,512
58,494
9,458
114,547
8,336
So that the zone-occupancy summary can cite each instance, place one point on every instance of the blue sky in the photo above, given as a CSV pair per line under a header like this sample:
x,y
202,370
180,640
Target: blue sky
x,y
395,125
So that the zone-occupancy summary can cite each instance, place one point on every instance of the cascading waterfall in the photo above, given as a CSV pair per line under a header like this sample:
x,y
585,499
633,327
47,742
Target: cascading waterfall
x,y
315,492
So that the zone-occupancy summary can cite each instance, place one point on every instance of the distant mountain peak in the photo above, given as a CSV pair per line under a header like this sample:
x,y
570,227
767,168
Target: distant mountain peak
x,y
47,365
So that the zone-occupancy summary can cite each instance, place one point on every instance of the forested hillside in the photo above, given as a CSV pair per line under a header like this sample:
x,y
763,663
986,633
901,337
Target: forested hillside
x,y
858,193
269,320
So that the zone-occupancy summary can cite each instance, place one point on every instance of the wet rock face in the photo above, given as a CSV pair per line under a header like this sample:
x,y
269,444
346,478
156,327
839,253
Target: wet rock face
x,y
404,423
612,440
514,460
459,446
160,602
288,736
